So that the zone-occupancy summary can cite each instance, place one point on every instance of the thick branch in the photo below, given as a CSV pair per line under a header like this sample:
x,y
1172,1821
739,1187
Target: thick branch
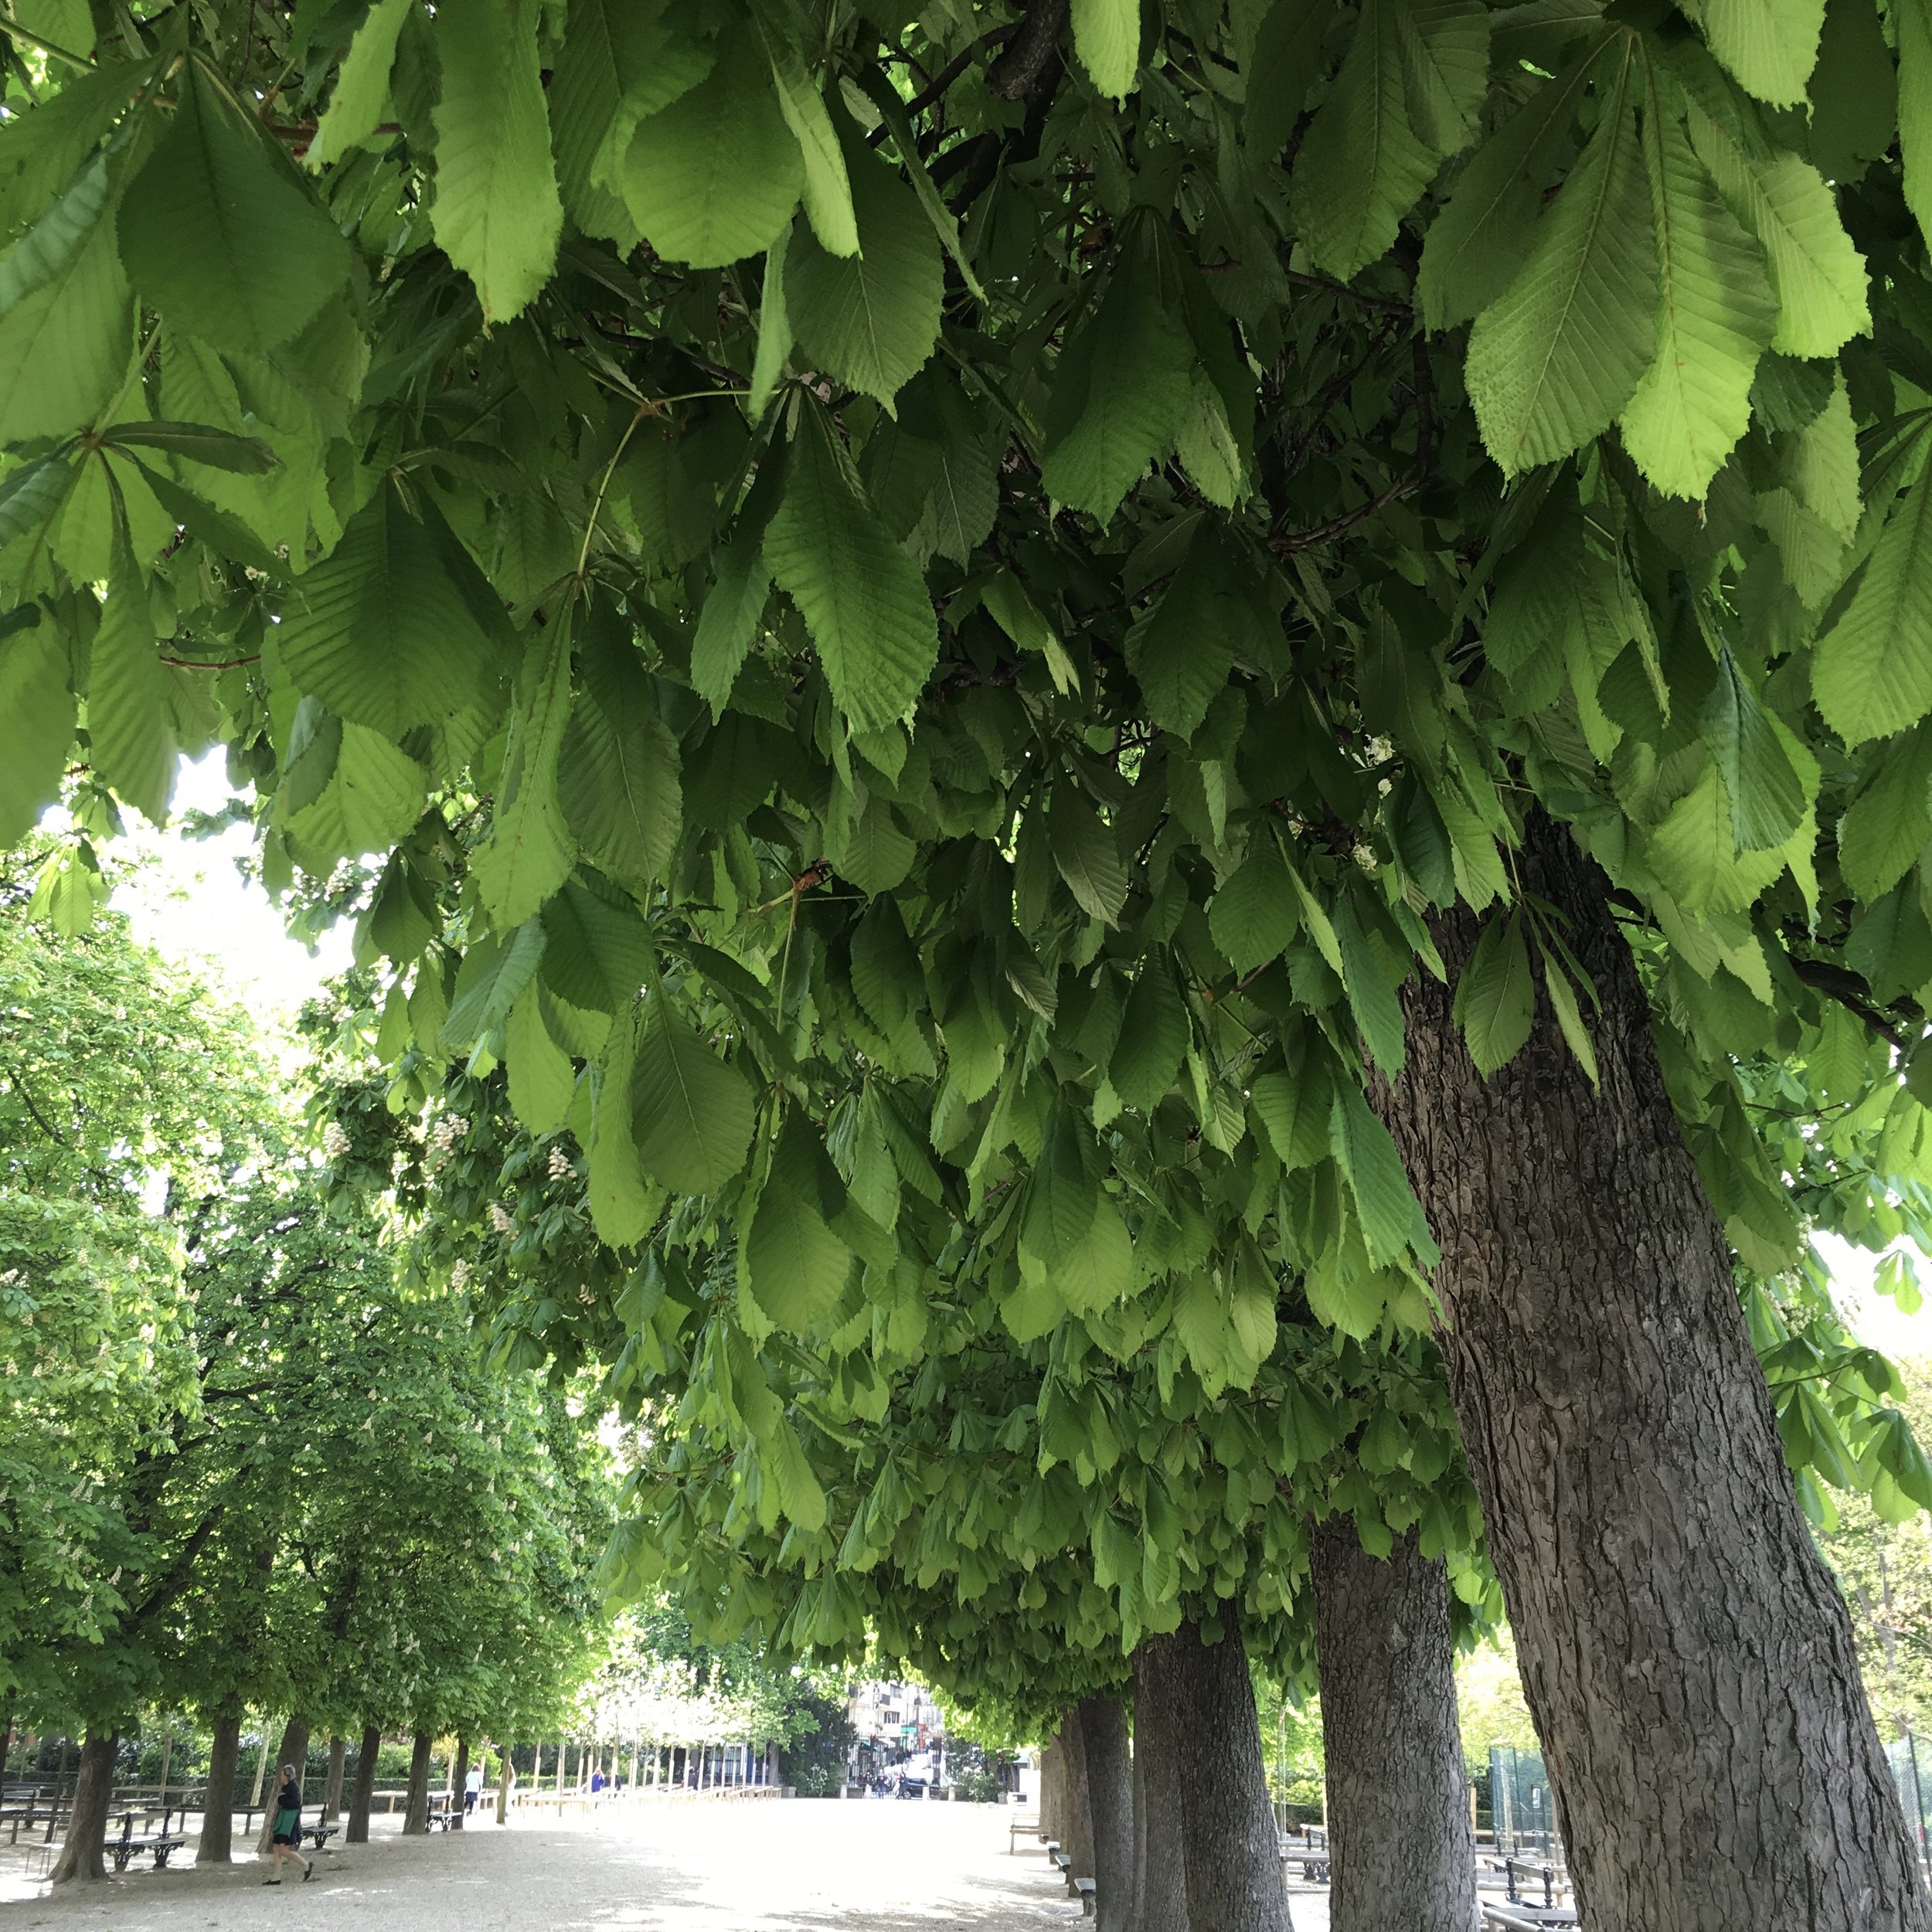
x,y
1019,70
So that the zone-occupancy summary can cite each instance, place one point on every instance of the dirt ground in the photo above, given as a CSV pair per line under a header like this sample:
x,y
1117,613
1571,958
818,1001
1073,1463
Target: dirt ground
x,y
759,1866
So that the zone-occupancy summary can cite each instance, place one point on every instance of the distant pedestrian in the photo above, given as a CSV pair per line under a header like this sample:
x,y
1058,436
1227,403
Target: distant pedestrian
x,y
288,1835
596,1783
472,1789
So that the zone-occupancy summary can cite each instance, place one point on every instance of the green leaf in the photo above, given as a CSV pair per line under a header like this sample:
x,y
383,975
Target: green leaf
x,y
1107,36
1154,1034
497,213
828,191
618,780
623,1206
362,86
1181,652
1120,392
1360,167
1390,1219
132,744
872,319
221,234
1912,21
529,851
32,496
1717,318
1445,58
1767,799
693,1110
196,443
1889,822
864,601
542,1081
36,724
1553,361
388,629
775,338
1478,243
782,1457
728,624
796,1266
495,972
65,347
1295,1109
714,177
1495,1003
1256,913
1378,1012
1563,1001
49,249
879,90
1086,854
1818,275
1771,45
1062,1197
1871,671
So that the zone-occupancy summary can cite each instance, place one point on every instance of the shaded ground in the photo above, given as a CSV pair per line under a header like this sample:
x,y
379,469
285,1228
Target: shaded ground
x,y
761,1866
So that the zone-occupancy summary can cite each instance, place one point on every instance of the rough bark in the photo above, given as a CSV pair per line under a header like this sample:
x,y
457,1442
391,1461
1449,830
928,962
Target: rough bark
x,y
80,1857
216,1844
1160,1864
459,1777
1398,1819
1076,1816
1686,1654
333,1785
505,1778
1051,1759
416,1812
1230,1847
1110,1798
293,1750
355,1832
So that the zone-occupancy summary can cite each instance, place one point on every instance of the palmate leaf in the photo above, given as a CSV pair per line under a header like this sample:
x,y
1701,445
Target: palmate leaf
x,y
497,213
542,1078
864,601
221,234
50,248
1361,165
618,777
1378,1012
1889,822
1154,1038
828,191
1390,1219
65,345
387,629
1495,1002
1477,244
692,1111
1256,913
794,1265
714,177
1120,390
1871,671
529,851
36,724
1771,45
1107,36
131,741
1717,317
361,85
1767,797
196,443
1553,361
1818,275
1086,854
871,319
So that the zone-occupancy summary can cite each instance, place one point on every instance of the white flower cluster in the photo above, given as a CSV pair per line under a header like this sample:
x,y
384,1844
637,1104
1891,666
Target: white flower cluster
x,y
562,1167
460,1276
500,1219
334,1141
447,1131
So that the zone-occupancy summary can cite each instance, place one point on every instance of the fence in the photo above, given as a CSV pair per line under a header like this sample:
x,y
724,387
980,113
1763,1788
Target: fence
x,y
1523,1805
1903,1754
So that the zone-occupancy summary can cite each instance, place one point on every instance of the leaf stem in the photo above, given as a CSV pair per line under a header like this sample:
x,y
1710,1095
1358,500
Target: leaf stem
x,y
50,47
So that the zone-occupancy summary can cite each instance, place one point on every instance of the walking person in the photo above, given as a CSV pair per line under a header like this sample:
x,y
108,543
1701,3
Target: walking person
x,y
287,1836
472,1788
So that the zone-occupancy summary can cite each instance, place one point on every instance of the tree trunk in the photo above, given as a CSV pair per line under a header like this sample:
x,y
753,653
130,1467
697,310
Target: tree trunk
x,y
505,1777
355,1832
217,1843
87,1816
459,1783
1110,1797
1230,1847
1052,1758
1077,1814
332,1787
294,1750
1160,1863
1686,1654
415,1813
1398,1823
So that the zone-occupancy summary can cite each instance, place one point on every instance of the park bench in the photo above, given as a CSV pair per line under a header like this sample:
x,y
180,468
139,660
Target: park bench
x,y
318,1833
1020,1825
1501,1915
1089,1896
1313,1852
442,1814
162,1845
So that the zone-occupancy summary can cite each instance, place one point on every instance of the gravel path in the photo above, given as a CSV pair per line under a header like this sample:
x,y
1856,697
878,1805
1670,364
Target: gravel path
x,y
742,1867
